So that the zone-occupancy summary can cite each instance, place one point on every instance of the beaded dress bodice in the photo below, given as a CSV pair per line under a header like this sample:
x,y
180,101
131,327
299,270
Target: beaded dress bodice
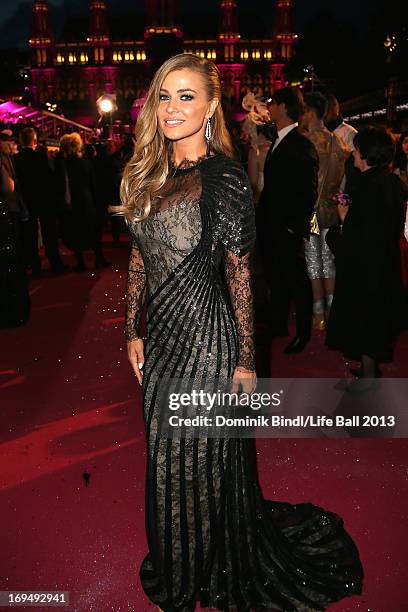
x,y
170,233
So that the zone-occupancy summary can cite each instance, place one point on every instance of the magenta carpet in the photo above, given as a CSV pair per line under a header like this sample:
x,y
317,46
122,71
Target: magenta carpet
x,y
72,456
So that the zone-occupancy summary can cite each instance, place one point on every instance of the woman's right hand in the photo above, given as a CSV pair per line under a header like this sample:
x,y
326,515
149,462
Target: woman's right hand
x,y
135,349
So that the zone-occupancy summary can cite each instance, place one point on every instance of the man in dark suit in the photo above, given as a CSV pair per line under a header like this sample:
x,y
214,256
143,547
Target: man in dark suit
x,y
285,209
38,190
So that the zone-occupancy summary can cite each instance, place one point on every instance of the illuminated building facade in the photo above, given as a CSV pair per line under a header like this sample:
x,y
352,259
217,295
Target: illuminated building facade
x,y
76,72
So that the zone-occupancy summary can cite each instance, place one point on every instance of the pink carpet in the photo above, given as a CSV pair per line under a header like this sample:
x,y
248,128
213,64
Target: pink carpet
x,y
70,406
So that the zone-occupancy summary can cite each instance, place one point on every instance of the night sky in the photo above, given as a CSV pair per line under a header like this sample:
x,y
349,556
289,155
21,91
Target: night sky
x,y
343,39
350,11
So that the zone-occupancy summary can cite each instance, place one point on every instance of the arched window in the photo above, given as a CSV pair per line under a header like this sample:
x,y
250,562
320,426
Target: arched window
x,y
99,55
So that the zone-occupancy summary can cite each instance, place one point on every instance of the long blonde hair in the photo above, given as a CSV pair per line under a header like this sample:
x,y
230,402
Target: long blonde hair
x,y
147,170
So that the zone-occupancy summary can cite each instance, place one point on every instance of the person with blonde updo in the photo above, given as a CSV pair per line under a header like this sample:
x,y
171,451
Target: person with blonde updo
x,y
77,188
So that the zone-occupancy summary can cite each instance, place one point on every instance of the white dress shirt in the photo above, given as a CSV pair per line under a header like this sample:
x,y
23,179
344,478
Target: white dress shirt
x,y
282,133
346,132
406,226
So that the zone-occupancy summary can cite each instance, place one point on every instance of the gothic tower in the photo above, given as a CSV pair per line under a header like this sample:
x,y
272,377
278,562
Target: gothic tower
x,y
41,38
228,31
284,35
43,72
98,37
98,22
162,14
163,33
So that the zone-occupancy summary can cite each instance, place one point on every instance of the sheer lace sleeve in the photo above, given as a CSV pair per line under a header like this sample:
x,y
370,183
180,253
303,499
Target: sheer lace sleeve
x,y
237,225
238,278
135,293
227,190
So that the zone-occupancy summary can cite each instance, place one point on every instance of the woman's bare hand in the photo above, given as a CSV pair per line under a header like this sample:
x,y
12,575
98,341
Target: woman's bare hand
x,y
246,379
136,357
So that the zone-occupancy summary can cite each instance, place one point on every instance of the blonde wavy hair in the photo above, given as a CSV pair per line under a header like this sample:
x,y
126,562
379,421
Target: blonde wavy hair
x,y
71,144
147,170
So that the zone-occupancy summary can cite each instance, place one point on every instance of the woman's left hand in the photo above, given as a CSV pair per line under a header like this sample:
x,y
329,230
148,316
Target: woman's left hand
x,y
245,378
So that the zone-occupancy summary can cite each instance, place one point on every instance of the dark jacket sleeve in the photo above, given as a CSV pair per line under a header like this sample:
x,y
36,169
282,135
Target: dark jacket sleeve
x,y
305,188
333,239
290,192
59,181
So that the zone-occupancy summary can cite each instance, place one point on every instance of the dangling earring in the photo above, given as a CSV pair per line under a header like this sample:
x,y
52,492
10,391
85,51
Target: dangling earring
x,y
208,134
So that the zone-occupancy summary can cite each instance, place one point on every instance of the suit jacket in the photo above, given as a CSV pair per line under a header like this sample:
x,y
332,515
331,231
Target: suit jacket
x,y
35,180
290,186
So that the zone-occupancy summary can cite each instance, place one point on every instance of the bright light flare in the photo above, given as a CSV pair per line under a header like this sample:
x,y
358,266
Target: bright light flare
x,y
106,105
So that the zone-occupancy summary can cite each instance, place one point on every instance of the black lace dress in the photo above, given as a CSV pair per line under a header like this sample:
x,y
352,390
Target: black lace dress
x,y
212,537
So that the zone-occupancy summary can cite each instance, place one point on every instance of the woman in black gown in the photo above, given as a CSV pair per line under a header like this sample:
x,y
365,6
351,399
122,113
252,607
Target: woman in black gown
x,y
77,187
212,537
14,295
366,314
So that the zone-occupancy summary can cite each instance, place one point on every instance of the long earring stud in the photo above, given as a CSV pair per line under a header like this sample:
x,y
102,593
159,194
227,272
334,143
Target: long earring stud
x,y
208,134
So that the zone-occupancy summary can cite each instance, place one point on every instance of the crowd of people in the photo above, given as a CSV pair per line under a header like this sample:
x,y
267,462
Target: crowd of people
x,y
306,171
330,205
55,199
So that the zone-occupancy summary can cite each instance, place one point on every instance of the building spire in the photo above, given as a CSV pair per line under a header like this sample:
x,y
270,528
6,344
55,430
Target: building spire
x,y
41,26
98,22
284,35
41,35
228,30
162,17
163,33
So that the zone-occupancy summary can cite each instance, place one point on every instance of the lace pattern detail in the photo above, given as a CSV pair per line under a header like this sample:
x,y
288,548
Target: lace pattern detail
x,y
135,293
173,227
186,163
238,278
